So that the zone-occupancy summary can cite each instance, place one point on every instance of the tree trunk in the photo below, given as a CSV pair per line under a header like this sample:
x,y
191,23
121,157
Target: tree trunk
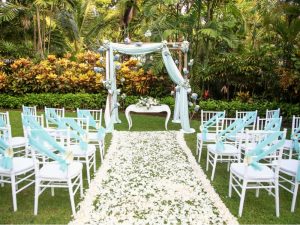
x,y
40,43
34,34
44,33
49,35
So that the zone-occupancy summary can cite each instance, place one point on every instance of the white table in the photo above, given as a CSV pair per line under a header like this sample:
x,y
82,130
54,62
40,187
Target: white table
x,y
143,109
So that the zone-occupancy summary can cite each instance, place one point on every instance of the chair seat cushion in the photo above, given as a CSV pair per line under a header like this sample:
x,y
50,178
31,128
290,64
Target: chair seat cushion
x,y
288,144
249,146
93,136
264,174
78,152
16,142
289,166
241,136
209,136
52,171
19,165
228,149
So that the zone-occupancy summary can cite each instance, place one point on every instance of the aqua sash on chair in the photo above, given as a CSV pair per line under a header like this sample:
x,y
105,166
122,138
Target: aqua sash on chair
x,y
52,116
40,140
101,131
296,147
84,113
28,110
209,123
77,132
229,132
250,117
2,122
259,152
275,114
7,155
31,122
273,124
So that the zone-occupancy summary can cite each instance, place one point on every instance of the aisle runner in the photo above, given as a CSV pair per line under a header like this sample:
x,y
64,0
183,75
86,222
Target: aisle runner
x,y
151,177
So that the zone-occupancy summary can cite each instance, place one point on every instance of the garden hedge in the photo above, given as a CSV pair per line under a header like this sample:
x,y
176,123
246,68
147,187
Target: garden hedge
x,y
93,101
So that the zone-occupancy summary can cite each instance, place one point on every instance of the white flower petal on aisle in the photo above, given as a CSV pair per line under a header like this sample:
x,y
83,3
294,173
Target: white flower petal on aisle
x,y
151,177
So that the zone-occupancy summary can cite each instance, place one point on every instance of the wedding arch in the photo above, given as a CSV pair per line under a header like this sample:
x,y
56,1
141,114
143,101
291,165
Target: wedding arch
x,y
181,113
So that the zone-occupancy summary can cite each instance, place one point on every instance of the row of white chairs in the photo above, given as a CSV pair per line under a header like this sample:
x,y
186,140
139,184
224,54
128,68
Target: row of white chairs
x,y
277,171
32,166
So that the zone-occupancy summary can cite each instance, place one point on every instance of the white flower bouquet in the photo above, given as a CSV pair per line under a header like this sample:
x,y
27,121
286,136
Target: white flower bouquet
x,y
147,102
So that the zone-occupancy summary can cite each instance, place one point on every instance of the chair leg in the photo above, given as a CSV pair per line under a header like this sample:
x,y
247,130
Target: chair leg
x,y
277,197
197,146
36,196
81,186
103,148
13,192
242,198
270,189
296,185
87,162
70,185
199,150
52,191
207,160
230,185
257,192
26,151
94,162
101,151
290,153
214,167
2,183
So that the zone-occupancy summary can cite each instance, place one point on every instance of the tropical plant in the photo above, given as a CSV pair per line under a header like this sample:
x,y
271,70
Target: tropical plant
x,y
56,75
138,81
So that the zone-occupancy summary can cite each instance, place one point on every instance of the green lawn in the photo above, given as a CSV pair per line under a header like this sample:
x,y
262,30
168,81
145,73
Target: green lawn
x,y
57,209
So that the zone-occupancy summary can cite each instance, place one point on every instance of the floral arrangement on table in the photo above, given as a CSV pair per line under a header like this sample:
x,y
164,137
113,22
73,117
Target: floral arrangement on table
x,y
147,102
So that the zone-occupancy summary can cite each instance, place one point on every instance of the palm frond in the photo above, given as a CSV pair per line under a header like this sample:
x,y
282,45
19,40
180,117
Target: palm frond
x,y
9,11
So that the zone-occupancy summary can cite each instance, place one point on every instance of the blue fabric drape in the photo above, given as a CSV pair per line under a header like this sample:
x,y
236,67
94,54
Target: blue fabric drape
x,y
177,78
136,50
176,116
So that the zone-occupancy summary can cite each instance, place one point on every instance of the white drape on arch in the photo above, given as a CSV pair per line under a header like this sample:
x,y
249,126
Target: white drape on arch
x,y
181,103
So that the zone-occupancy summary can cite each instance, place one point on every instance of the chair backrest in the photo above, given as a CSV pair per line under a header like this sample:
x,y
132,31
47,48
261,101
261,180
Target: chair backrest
x,y
273,113
295,124
29,110
6,153
53,115
79,128
4,123
264,147
230,129
266,124
4,134
250,116
4,119
31,122
208,116
94,117
226,122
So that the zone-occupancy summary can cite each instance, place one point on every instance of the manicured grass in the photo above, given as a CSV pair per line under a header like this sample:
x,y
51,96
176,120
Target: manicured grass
x,y
57,209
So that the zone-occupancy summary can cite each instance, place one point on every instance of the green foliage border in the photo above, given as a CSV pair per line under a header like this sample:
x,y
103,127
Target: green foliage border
x,y
95,101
